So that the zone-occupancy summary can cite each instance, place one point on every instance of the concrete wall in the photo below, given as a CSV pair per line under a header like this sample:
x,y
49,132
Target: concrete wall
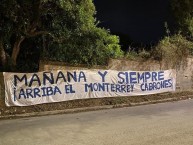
x,y
49,66
184,76
184,72
2,88
123,65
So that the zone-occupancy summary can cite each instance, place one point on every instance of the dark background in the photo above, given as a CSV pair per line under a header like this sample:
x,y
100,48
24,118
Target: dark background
x,y
139,23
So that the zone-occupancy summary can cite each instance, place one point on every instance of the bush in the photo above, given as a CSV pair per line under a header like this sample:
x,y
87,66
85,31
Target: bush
x,y
173,50
141,55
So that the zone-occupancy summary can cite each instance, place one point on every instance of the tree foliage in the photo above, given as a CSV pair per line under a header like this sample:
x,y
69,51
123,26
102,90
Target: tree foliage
x,y
63,30
86,43
183,12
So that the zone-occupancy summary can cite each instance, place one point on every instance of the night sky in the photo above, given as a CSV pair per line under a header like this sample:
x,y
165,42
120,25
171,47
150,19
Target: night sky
x,y
138,22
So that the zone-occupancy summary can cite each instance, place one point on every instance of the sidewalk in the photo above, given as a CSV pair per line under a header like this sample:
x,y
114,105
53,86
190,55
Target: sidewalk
x,y
89,105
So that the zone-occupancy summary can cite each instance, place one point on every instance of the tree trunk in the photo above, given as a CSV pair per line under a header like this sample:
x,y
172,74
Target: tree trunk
x,y
16,49
2,54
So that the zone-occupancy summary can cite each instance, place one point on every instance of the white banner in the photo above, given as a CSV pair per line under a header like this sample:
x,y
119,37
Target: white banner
x,y
24,89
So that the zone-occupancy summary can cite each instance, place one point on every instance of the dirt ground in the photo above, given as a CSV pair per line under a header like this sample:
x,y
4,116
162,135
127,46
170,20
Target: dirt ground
x,y
116,101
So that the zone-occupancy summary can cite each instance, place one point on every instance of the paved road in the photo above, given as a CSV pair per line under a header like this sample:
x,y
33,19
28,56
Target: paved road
x,y
160,124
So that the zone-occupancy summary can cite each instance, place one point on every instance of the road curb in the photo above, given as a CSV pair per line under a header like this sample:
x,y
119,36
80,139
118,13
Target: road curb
x,y
85,109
